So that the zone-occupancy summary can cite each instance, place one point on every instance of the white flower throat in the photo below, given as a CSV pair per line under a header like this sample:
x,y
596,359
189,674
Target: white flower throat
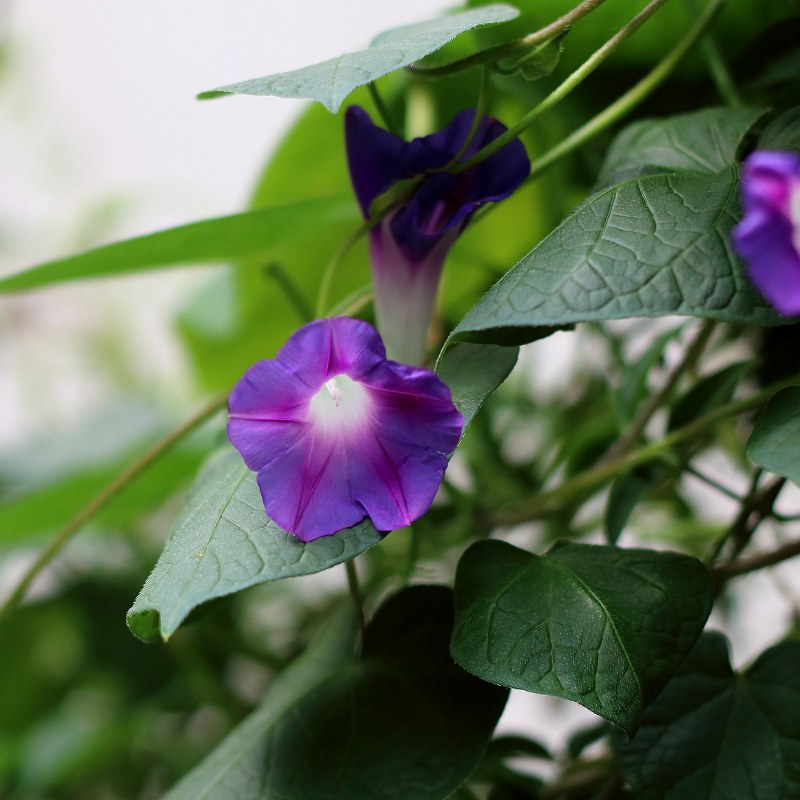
x,y
340,405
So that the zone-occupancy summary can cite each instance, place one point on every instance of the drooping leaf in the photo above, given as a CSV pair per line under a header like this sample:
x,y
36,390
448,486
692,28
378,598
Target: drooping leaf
x,y
775,441
224,542
329,82
404,721
706,141
651,246
717,735
538,62
603,626
625,493
210,241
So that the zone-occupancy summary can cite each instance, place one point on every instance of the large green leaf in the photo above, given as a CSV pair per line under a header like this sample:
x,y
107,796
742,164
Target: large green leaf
x,y
403,722
329,82
210,241
651,246
603,626
703,141
782,133
224,542
713,734
775,441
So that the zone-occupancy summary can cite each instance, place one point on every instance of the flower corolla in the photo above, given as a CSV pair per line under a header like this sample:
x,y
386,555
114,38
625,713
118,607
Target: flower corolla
x,y
336,432
768,236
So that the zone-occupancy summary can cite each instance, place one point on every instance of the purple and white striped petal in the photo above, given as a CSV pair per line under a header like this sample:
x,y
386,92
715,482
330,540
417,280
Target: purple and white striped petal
x,y
336,432
768,236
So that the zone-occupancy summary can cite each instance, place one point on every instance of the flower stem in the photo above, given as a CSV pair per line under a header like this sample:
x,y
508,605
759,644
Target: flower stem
x,y
561,91
382,108
545,502
105,496
355,593
494,54
655,401
628,101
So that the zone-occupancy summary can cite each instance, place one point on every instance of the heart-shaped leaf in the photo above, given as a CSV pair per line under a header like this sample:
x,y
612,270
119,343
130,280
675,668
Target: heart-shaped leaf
x,y
329,82
717,735
603,626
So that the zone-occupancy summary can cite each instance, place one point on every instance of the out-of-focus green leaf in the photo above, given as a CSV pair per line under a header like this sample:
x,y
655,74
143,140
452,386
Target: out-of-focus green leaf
x,y
649,247
704,141
538,62
333,726
775,441
718,735
211,241
625,493
603,626
329,82
708,393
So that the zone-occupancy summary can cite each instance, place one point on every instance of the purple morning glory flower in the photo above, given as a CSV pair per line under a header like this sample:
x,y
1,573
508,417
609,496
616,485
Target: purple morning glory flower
x,y
768,237
336,432
408,247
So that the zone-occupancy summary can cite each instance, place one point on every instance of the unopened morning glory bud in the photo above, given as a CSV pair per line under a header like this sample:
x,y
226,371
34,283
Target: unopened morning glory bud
x,y
768,237
408,247
336,432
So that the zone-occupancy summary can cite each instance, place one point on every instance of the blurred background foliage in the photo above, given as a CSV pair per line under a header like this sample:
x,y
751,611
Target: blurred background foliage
x,y
89,712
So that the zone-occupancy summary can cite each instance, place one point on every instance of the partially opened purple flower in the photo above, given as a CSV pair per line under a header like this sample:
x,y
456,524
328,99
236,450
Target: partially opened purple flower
x,y
337,432
768,237
408,248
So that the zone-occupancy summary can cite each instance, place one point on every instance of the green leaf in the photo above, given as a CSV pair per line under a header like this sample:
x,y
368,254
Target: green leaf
x,y
224,542
706,141
538,62
775,441
602,626
210,241
403,722
329,82
716,735
782,133
625,493
473,372
649,247
709,392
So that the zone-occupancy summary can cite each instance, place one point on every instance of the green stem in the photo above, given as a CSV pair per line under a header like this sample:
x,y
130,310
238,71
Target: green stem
x,y
355,594
323,298
756,562
655,401
628,101
105,496
548,501
292,292
494,54
714,483
382,108
561,91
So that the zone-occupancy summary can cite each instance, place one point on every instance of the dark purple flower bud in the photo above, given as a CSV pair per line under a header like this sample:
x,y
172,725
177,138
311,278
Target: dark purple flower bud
x,y
336,432
768,237
408,248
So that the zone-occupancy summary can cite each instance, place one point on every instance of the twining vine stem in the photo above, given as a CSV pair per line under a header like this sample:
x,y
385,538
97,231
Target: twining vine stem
x,y
106,495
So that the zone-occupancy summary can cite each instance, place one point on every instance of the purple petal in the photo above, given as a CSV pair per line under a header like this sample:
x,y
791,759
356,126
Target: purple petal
x,y
379,449
767,236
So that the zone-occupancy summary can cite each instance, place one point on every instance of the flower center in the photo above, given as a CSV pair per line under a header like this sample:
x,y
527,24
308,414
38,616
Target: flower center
x,y
340,405
794,214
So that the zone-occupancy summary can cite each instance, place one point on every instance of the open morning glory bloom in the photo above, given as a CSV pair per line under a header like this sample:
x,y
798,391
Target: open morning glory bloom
x,y
337,432
408,248
768,237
